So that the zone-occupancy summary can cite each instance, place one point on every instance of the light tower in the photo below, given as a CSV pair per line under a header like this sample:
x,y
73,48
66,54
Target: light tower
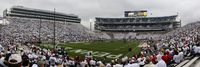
x,y
54,30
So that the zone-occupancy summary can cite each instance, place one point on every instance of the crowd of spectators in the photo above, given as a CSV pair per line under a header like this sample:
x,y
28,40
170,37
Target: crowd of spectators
x,y
33,30
170,49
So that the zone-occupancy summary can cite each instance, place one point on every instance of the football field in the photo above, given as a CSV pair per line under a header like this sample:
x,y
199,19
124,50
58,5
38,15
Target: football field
x,y
101,50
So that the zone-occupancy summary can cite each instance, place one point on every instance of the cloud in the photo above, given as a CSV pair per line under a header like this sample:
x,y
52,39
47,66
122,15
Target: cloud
x,y
188,9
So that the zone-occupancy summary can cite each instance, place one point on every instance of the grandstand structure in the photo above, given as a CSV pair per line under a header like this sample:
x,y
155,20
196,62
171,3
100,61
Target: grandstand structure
x,y
137,21
21,11
28,25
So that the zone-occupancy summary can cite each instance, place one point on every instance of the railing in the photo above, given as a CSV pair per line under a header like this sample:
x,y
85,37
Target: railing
x,y
162,22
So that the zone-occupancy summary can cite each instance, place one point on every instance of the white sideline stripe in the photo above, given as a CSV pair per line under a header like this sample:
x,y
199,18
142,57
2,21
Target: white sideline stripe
x,y
182,63
190,62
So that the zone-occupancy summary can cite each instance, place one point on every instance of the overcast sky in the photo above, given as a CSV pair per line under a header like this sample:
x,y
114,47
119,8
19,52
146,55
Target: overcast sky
x,y
189,10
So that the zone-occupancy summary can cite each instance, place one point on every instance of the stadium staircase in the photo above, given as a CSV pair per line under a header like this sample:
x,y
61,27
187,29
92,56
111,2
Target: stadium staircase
x,y
189,62
111,35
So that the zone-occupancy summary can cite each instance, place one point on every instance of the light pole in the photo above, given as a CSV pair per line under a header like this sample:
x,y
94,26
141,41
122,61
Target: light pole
x,y
54,30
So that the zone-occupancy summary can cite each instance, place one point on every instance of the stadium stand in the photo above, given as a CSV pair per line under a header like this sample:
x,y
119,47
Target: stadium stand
x,y
172,49
136,22
21,11
27,30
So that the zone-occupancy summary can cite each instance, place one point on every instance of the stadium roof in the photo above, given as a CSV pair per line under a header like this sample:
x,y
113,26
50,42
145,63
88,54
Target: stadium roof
x,y
22,7
137,17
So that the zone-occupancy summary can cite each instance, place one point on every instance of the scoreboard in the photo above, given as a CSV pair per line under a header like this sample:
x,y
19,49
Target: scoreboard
x,y
142,13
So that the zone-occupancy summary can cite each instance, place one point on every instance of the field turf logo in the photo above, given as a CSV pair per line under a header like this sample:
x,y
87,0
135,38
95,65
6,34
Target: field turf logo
x,y
94,53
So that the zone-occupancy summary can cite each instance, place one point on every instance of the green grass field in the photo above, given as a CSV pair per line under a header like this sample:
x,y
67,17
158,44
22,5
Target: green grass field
x,y
100,49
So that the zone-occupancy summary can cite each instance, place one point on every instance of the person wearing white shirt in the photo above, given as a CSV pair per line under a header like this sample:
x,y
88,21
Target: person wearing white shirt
x,y
127,65
176,58
185,49
52,60
108,65
71,63
2,62
160,63
30,56
181,56
195,49
134,64
83,63
92,62
117,65
150,65
34,65
142,61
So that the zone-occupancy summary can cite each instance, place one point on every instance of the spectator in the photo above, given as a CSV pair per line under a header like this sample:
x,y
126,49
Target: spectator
x,y
160,63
